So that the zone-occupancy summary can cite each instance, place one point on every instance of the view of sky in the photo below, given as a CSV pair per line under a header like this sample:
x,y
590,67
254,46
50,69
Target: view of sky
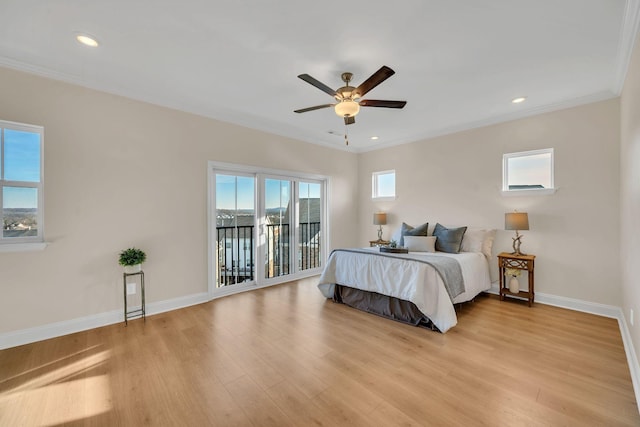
x,y
228,187
21,162
277,192
309,190
530,170
386,185
19,197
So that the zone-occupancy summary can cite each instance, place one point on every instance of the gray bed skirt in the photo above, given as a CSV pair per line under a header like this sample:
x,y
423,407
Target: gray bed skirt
x,y
382,305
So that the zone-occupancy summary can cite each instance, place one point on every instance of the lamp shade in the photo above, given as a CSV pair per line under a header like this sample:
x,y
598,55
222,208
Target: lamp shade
x,y
380,218
516,221
347,108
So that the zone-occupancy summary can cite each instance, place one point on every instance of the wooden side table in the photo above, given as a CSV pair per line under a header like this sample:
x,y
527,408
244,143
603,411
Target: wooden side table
x,y
378,243
520,262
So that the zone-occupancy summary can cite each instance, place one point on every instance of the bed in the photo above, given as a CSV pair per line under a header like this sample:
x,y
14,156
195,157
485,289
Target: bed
x,y
413,287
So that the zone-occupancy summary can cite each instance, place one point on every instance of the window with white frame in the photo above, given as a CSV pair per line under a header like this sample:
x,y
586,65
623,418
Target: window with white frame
x,y
383,185
21,183
528,171
266,226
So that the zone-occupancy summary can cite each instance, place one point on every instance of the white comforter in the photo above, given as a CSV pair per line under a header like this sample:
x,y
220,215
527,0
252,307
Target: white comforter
x,y
412,281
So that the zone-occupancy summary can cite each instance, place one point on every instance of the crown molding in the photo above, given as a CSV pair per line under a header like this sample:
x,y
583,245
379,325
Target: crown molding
x,y
39,71
547,108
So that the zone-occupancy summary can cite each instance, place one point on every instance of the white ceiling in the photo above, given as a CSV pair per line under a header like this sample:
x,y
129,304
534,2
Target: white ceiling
x,y
458,63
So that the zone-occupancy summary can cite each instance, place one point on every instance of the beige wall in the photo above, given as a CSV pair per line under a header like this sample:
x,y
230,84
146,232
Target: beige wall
x,y
630,193
120,173
456,180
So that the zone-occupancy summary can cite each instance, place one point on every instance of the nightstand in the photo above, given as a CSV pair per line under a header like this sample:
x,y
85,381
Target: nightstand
x,y
378,243
519,262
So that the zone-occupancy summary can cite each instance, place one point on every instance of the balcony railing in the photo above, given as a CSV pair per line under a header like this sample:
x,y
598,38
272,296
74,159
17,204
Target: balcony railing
x,y
277,256
236,246
309,245
235,254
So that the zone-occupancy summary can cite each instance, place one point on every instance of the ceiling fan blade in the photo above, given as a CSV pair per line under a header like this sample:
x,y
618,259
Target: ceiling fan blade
x,y
317,107
376,78
380,103
349,120
323,87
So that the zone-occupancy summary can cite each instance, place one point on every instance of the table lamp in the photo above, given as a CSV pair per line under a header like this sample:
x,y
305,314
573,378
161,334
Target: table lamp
x,y
380,218
516,221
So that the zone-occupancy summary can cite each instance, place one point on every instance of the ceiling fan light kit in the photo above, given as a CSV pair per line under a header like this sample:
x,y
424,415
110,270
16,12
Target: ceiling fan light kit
x,y
347,108
347,96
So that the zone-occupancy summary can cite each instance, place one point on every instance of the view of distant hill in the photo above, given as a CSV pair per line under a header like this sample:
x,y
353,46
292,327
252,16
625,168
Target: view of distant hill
x,y
309,212
22,220
245,216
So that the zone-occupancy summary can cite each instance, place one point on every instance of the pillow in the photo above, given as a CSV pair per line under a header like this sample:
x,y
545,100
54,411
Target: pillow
x,y
449,239
478,240
397,235
408,230
487,245
420,243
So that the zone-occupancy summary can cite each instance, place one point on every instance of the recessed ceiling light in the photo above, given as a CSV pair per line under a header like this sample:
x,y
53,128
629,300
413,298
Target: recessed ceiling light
x,y
87,40
374,137
518,100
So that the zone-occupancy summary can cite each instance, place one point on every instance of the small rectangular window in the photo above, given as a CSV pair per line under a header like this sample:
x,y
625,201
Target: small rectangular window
x,y
528,171
383,185
21,186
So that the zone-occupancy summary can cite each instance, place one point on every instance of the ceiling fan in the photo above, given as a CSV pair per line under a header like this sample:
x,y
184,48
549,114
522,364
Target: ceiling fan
x,y
348,97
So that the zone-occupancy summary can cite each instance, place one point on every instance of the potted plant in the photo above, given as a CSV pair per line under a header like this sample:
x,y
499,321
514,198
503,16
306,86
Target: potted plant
x,y
131,259
514,285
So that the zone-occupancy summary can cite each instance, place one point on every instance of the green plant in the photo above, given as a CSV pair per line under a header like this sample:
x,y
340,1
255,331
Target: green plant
x,y
132,256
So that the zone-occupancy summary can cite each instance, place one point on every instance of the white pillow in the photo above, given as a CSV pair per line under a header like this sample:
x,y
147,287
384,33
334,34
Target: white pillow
x,y
420,243
478,240
397,234
487,245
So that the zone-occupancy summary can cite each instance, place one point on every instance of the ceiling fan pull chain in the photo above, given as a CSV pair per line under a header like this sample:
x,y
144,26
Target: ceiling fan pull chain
x,y
346,139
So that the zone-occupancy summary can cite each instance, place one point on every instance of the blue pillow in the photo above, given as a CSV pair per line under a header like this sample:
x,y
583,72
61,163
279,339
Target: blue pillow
x,y
407,230
448,239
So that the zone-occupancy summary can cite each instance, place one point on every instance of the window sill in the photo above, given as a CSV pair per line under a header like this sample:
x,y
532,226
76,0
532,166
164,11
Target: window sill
x,y
532,192
23,247
383,199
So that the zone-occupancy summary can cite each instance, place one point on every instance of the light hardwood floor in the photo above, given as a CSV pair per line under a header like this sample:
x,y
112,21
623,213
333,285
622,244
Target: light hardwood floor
x,y
285,356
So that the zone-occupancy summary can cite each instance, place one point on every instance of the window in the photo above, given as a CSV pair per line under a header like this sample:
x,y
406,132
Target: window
x,y
383,185
266,226
530,171
21,190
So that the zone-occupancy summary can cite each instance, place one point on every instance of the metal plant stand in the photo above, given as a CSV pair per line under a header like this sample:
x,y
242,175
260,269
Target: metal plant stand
x,y
140,312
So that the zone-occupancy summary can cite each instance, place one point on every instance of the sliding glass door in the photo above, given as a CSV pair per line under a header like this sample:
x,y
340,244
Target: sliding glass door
x,y
265,228
235,229
278,230
309,221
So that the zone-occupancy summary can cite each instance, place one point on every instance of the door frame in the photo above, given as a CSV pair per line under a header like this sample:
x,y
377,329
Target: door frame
x,y
260,174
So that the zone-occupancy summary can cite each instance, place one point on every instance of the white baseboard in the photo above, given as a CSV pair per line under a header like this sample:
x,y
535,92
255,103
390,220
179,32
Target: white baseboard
x,y
632,358
572,304
176,303
600,310
57,329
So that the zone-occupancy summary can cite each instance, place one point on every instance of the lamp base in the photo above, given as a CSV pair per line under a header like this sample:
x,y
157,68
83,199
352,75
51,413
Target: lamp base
x,y
516,245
